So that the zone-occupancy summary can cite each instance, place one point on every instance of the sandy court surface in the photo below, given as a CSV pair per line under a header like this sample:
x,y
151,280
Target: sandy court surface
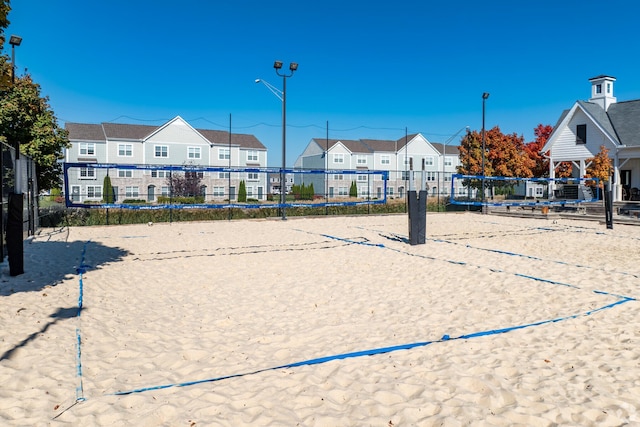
x,y
333,321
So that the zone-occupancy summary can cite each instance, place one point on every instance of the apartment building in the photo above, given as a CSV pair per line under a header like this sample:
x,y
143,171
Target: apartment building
x,y
174,143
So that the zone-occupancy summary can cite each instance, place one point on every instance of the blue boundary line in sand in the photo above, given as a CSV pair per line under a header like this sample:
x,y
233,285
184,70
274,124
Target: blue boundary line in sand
x,y
383,350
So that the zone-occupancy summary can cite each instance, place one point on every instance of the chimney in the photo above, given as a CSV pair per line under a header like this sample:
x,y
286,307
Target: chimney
x,y
602,91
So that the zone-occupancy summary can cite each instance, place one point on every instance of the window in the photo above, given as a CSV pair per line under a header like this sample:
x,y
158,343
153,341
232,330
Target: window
x,y
218,191
389,191
94,192
363,178
361,159
252,156
581,134
363,191
343,191
125,150
385,159
408,161
447,161
160,174
338,177
125,173
87,173
161,151
598,88
87,149
608,87
428,161
132,191
405,175
165,191
249,191
252,176
338,158
224,154
223,175
193,152
431,176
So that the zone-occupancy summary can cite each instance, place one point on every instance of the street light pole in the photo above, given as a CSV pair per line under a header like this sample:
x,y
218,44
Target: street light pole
x,y
485,95
283,183
14,41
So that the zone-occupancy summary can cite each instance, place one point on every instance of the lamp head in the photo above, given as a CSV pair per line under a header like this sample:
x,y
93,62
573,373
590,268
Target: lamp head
x,y
485,95
277,65
15,40
293,66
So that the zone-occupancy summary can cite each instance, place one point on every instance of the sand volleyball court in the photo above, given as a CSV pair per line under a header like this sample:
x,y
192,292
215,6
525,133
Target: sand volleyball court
x,y
333,321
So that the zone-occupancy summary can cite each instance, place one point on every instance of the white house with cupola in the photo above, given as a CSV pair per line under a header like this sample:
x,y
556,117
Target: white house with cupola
x,y
600,121
433,161
174,143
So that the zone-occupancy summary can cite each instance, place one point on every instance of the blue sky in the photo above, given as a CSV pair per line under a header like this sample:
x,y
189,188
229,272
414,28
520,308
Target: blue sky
x,y
370,69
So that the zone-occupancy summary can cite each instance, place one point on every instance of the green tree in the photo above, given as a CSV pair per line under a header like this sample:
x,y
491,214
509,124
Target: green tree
x,y
353,190
107,190
242,192
27,120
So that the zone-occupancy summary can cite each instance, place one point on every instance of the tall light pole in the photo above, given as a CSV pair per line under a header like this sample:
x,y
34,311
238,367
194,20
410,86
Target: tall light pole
x,y
283,183
14,41
282,95
485,95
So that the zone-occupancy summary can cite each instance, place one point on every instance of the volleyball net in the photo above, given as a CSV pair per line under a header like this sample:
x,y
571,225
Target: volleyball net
x,y
509,191
134,186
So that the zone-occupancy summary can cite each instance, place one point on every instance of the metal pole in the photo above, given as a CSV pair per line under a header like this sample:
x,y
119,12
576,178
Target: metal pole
x,y
229,175
485,95
326,175
13,64
283,183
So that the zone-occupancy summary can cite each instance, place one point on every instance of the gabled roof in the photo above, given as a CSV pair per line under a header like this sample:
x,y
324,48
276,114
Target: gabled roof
x,y
599,116
85,132
377,145
123,131
119,131
451,150
625,119
220,137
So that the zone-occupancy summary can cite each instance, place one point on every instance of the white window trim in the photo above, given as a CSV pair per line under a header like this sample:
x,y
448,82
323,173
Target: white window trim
x,y
155,151
99,192
86,146
194,150
251,154
124,148
224,154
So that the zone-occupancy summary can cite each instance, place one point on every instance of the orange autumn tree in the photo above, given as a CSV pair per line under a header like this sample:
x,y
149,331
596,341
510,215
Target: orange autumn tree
x,y
534,150
470,150
504,155
507,155
600,166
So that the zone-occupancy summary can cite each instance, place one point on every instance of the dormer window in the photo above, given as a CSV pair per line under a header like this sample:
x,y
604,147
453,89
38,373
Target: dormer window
x,y
581,134
598,88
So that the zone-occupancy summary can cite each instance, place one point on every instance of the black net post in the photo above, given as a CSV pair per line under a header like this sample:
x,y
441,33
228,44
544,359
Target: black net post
x,y
15,235
417,216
